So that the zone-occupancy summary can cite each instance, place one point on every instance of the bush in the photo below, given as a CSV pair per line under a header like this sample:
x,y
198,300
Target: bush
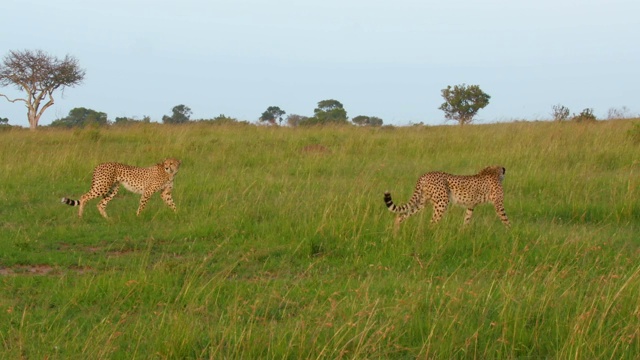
x,y
619,113
222,119
585,116
560,112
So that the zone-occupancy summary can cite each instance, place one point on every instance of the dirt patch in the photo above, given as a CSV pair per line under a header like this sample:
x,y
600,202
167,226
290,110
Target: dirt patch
x,y
80,269
315,149
27,270
39,270
118,253
96,249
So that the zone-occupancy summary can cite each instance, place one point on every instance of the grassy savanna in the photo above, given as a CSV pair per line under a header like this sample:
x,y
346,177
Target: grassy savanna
x,y
282,246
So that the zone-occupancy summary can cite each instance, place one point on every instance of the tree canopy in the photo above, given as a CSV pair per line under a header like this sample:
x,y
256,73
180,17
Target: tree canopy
x,y
38,75
79,117
180,114
463,102
272,114
328,112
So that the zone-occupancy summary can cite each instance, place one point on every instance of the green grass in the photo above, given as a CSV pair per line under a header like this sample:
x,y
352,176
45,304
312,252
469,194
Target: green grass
x,y
280,253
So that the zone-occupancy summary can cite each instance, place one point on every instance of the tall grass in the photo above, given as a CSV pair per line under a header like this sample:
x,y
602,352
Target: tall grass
x,y
280,250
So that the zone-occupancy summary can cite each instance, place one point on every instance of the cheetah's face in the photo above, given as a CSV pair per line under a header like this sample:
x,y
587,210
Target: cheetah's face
x,y
171,166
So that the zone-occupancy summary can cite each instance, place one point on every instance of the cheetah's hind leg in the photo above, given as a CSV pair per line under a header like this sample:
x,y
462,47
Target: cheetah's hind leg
x,y
102,205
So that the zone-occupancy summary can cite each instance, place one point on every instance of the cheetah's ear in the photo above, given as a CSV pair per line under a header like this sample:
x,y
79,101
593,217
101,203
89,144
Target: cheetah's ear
x,y
504,170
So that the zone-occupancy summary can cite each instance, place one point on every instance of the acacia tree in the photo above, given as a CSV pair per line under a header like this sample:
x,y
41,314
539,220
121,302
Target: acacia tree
x,y
38,74
271,114
462,102
180,114
329,111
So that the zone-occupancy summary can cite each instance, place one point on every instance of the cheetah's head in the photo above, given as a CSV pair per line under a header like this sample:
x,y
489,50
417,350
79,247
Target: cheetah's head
x,y
171,166
496,170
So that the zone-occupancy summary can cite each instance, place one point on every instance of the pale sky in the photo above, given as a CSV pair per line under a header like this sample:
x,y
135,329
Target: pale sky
x,y
389,59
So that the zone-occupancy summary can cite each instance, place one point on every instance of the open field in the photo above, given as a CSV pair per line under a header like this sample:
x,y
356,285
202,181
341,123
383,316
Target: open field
x,y
282,246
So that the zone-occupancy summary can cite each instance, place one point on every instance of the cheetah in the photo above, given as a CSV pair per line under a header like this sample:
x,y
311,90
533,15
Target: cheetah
x,y
440,188
107,178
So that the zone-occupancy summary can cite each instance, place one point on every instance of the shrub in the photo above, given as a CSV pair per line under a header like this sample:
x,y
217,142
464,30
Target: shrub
x,y
585,116
560,112
619,113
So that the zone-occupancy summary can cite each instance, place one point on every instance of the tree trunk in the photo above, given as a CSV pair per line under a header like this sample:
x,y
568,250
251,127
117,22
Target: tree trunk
x,y
33,118
33,114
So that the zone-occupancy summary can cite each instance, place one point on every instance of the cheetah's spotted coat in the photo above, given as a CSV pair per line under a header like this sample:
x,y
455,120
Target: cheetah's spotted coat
x,y
107,178
466,190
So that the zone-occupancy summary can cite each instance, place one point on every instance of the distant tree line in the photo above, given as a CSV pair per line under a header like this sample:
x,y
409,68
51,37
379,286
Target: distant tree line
x,y
562,113
327,112
180,114
38,75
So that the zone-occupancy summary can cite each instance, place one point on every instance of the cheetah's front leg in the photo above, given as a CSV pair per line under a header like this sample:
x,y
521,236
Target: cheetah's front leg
x,y
143,201
166,197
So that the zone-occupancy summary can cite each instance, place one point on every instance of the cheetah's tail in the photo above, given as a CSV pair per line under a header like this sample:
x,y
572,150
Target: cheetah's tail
x,y
393,207
70,201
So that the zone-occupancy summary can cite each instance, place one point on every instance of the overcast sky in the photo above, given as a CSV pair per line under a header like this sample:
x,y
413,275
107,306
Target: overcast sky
x,y
389,59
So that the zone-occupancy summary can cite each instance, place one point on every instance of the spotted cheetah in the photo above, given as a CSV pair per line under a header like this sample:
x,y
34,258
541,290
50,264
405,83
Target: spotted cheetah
x,y
107,178
466,190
